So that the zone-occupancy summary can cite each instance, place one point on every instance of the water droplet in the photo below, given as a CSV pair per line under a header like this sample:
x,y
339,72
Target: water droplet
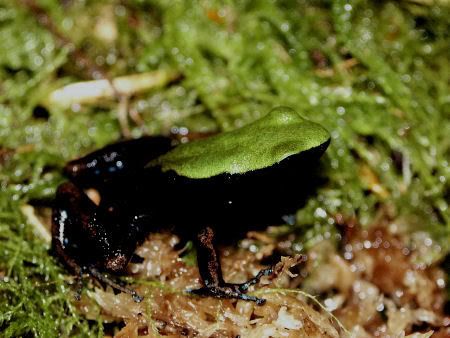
x,y
440,283
120,10
340,110
321,213
285,26
330,304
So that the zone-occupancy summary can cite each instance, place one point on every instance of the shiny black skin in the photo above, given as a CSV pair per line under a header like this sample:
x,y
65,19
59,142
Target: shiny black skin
x,y
136,200
115,161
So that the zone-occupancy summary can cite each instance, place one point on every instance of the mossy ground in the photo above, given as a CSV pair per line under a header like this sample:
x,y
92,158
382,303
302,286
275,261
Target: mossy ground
x,y
375,74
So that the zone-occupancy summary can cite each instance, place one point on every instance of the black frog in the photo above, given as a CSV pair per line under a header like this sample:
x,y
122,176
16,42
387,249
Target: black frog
x,y
222,184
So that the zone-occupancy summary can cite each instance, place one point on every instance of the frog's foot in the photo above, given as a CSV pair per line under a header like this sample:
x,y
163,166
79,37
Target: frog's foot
x,y
234,291
211,272
115,284
229,291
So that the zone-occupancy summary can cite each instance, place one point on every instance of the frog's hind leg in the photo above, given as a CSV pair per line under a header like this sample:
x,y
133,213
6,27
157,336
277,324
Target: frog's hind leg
x,y
85,239
211,272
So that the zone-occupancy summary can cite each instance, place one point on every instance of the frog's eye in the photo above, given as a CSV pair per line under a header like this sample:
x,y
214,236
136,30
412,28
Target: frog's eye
x,y
276,136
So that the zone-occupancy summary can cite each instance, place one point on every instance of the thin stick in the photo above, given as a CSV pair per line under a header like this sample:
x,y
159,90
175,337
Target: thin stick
x,y
91,92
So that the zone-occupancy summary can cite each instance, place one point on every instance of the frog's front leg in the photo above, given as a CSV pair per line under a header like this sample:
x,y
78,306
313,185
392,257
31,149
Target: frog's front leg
x,y
211,272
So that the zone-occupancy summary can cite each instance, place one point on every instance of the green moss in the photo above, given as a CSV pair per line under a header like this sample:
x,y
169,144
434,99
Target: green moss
x,y
269,140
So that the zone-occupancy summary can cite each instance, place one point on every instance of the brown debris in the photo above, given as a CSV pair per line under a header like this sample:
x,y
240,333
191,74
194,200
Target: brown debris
x,y
168,310
371,295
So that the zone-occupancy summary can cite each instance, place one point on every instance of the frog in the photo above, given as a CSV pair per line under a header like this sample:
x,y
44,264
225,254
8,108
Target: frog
x,y
202,190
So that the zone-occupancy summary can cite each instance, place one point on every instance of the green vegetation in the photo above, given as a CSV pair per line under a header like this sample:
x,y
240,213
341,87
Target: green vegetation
x,y
269,140
375,74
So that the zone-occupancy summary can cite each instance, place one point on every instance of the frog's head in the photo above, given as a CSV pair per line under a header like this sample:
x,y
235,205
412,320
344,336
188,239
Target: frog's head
x,y
279,135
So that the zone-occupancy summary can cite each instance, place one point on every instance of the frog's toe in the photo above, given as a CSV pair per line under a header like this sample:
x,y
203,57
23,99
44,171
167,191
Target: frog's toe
x,y
228,291
264,272
116,285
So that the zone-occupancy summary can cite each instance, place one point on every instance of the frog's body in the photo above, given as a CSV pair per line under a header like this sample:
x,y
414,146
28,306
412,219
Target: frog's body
x,y
229,181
